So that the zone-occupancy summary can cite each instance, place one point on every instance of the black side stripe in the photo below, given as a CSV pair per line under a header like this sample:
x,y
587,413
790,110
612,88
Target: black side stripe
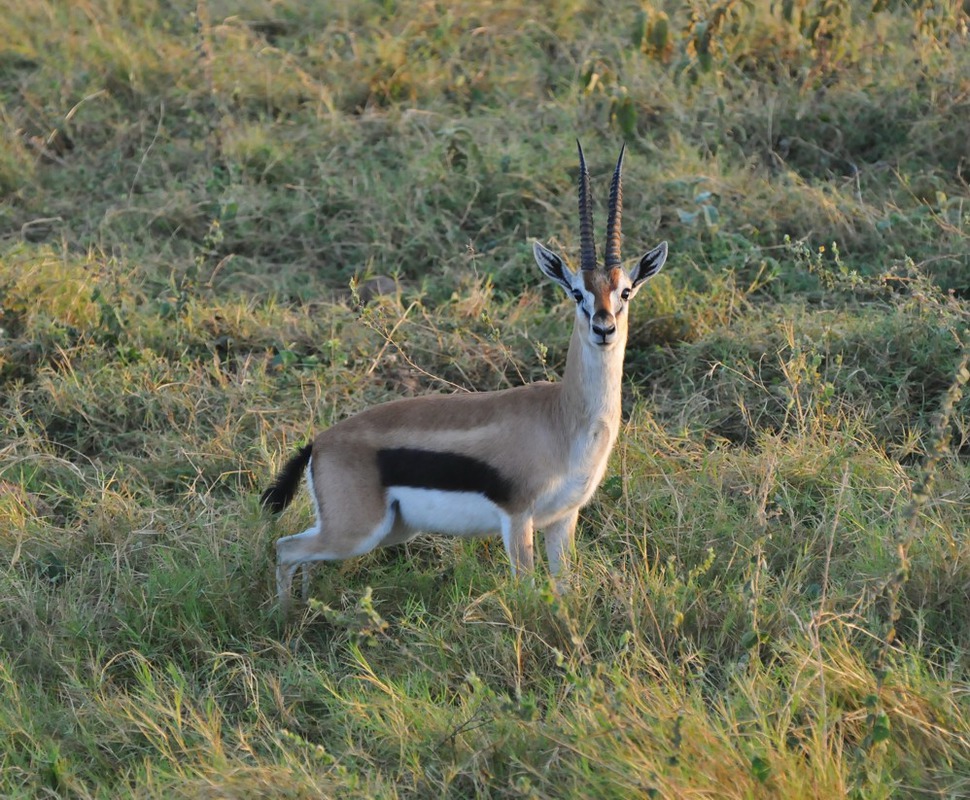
x,y
447,472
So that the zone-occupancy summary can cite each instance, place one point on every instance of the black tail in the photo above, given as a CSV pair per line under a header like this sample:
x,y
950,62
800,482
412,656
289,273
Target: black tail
x,y
280,494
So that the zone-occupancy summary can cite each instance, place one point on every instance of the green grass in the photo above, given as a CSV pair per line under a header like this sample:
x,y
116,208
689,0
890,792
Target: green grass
x,y
772,589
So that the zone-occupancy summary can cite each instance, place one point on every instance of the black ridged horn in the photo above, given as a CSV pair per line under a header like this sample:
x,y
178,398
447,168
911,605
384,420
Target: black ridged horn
x,y
587,245
615,215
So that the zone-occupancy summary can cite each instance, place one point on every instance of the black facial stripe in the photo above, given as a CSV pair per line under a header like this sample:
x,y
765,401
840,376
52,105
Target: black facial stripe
x,y
448,472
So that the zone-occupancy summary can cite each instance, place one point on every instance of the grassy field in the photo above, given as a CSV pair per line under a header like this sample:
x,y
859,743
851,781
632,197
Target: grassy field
x,y
772,589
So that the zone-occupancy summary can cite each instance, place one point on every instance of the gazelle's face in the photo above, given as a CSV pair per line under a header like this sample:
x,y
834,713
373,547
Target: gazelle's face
x,y
601,299
602,295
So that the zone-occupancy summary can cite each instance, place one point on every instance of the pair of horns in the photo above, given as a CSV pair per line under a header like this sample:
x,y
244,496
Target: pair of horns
x,y
587,243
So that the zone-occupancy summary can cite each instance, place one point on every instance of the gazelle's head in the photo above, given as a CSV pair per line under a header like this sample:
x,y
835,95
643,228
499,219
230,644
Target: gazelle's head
x,y
601,291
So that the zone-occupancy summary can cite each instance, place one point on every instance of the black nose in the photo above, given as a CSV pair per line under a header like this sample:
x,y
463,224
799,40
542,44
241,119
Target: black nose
x,y
605,327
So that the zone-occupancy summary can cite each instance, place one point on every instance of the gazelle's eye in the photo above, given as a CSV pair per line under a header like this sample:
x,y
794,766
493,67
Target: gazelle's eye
x,y
625,294
578,296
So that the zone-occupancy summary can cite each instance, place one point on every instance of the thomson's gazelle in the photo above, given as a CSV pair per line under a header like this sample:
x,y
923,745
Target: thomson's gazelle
x,y
503,462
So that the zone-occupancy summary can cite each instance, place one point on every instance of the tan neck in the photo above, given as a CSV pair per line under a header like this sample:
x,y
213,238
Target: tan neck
x,y
592,383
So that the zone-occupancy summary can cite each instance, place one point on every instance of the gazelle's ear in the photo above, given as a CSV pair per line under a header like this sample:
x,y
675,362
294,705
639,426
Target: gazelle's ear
x,y
649,265
552,266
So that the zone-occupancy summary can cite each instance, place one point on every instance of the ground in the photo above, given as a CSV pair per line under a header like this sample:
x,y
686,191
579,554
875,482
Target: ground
x,y
226,225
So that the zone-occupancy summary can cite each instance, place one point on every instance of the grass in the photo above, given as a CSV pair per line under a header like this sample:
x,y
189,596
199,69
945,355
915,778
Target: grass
x,y
771,591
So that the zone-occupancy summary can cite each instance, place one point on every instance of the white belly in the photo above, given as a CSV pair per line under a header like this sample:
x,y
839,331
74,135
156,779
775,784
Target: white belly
x,y
452,513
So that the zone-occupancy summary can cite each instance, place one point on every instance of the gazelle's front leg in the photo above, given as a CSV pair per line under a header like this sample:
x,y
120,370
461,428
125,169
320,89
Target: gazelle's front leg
x,y
517,535
560,542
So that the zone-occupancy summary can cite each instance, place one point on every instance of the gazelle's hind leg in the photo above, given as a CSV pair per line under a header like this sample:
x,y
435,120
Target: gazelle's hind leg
x,y
305,568
291,553
303,549
399,533
284,582
353,517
